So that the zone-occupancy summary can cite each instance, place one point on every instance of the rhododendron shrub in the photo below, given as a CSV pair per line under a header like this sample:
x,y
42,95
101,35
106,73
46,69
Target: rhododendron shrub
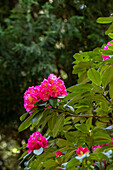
x,y
73,129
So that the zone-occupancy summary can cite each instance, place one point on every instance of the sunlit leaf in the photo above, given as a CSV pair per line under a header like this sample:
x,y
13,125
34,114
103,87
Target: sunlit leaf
x,y
105,20
94,76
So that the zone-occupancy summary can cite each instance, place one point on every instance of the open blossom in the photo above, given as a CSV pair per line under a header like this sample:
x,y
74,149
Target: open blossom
x,y
53,87
36,141
81,151
58,153
105,57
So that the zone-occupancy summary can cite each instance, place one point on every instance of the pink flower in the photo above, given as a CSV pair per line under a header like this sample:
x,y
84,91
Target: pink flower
x,y
45,94
52,78
44,84
81,151
59,169
106,47
58,153
54,90
36,141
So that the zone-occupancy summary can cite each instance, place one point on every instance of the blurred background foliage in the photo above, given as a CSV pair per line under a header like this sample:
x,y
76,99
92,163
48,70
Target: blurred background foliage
x,y
39,37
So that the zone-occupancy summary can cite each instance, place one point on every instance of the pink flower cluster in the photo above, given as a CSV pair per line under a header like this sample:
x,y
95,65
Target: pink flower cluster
x,y
81,151
53,87
36,141
105,57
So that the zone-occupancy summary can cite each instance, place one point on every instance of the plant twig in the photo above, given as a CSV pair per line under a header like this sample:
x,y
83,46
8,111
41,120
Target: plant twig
x,y
73,115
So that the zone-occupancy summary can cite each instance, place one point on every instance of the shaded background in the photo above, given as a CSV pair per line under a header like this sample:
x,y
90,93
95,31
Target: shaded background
x,y
39,37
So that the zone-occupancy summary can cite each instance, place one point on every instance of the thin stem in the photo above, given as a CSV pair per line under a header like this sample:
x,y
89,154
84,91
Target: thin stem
x,y
73,115
84,115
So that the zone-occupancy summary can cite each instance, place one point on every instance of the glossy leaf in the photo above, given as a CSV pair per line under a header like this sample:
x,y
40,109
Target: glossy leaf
x,y
58,124
50,163
94,76
24,125
24,116
107,76
105,20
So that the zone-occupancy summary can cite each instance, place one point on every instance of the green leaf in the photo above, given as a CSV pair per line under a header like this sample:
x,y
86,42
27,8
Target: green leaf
x,y
72,163
107,52
24,154
94,76
45,121
62,143
105,20
82,128
24,116
24,125
85,87
110,35
111,89
98,97
53,102
52,121
50,163
107,76
68,155
89,123
58,124
100,136
109,30
75,99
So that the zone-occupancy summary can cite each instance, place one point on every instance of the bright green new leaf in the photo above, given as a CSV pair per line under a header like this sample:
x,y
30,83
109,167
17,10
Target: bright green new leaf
x,y
110,35
105,20
109,30
24,116
94,76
